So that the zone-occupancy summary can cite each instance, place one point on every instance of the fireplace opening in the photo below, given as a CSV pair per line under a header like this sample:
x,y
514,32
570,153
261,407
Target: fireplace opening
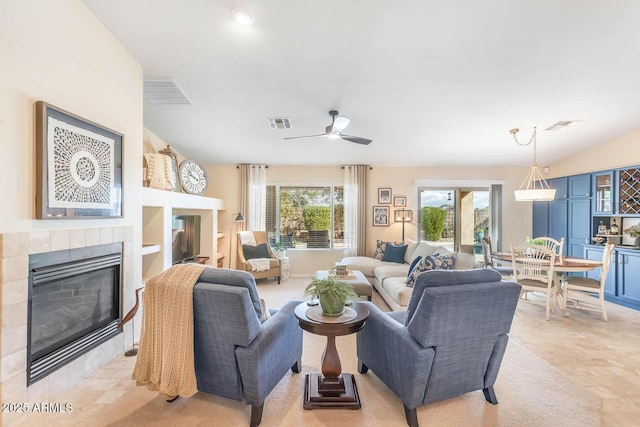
x,y
74,305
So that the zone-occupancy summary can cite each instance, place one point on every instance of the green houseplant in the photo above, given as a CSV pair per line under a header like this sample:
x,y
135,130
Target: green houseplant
x,y
333,294
279,248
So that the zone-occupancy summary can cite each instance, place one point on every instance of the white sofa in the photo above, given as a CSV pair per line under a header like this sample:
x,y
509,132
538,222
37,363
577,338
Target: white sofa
x,y
389,278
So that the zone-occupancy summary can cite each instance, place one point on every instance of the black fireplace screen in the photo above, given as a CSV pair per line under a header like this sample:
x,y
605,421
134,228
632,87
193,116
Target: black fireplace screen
x,y
74,305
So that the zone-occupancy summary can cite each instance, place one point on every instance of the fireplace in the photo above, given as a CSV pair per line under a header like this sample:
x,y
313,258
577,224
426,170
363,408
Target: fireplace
x,y
73,306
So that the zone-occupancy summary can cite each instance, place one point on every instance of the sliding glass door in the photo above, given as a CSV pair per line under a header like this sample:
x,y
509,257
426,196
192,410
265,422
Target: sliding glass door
x,y
456,218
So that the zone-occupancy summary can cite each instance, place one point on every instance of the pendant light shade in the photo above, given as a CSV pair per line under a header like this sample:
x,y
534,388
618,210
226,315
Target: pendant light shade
x,y
534,188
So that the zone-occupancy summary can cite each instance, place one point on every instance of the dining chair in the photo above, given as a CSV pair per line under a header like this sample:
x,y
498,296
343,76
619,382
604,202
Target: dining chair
x,y
488,262
552,244
589,286
533,267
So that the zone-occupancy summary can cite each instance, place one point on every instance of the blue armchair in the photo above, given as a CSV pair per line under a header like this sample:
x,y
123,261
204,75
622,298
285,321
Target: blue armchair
x,y
237,356
448,342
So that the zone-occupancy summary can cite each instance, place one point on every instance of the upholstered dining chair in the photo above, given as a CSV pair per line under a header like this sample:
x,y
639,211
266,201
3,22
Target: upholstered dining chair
x,y
487,248
450,340
238,356
533,268
260,249
586,285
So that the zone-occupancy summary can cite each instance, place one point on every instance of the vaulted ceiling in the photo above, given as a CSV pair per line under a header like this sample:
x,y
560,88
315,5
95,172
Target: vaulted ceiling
x,y
430,82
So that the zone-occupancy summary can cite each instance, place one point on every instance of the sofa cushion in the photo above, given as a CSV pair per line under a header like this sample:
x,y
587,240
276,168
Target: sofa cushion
x,y
364,264
431,262
398,290
424,249
394,253
464,261
380,247
411,246
383,272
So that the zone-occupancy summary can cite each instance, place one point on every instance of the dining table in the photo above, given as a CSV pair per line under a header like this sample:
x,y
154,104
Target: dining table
x,y
562,265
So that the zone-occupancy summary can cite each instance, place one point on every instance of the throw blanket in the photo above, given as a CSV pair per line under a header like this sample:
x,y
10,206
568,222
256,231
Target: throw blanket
x,y
259,264
165,358
247,238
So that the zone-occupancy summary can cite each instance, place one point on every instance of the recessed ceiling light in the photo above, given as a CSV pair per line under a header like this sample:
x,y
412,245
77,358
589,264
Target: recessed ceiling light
x,y
242,16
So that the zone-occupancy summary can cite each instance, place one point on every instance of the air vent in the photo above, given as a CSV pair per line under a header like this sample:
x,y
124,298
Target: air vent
x,y
164,91
563,124
279,123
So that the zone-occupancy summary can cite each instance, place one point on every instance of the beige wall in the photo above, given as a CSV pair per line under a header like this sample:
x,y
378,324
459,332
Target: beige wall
x,y
617,153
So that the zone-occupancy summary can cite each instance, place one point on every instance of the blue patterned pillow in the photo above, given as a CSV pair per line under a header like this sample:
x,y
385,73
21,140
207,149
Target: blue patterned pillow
x,y
415,261
380,247
431,262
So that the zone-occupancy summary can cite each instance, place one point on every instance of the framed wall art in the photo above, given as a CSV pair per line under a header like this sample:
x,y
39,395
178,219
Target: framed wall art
x,y
381,216
78,166
384,196
400,201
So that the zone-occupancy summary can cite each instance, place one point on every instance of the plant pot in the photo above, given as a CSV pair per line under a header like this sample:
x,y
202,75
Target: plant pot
x,y
637,242
331,305
281,253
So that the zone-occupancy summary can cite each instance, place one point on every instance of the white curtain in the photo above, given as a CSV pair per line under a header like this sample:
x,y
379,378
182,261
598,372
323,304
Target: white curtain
x,y
258,198
354,205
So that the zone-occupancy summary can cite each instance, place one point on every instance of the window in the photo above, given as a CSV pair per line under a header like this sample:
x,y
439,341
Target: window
x,y
306,217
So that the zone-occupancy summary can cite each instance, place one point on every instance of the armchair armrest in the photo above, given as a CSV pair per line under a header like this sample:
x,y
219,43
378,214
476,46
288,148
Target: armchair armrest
x,y
386,347
275,350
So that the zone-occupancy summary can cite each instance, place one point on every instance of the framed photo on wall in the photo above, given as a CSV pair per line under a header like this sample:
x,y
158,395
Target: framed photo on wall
x,y
400,201
384,196
78,167
381,216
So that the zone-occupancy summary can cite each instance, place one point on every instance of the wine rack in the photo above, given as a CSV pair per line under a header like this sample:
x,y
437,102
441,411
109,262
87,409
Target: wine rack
x,y
629,191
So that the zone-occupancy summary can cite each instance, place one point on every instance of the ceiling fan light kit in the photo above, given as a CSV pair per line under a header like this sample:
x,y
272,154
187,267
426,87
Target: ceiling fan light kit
x,y
534,188
334,130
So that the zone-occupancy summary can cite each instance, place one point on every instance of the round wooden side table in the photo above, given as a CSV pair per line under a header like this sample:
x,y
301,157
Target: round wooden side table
x,y
332,388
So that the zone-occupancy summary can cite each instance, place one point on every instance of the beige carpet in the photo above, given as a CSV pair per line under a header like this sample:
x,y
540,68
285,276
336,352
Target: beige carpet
x,y
530,392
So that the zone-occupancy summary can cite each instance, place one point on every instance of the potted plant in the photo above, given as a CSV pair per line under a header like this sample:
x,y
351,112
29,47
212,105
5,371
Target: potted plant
x,y
279,249
333,294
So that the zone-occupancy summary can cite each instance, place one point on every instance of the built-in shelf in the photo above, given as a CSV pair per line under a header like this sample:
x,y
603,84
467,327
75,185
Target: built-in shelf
x,y
150,249
158,206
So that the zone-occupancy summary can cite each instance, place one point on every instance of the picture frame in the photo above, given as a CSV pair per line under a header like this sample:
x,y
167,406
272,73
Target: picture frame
x,y
78,166
381,216
384,196
400,201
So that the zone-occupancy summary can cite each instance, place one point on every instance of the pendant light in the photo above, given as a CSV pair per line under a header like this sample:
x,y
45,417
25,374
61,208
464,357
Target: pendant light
x,y
534,188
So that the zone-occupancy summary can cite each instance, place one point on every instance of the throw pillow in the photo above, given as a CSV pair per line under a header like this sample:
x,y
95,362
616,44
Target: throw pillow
x,y
380,245
257,251
266,314
431,262
394,253
415,261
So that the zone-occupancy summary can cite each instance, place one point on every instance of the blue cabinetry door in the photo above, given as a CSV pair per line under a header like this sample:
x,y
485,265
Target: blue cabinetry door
x,y
561,186
558,220
628,274
579,186
603,193
540,220
595,253
579,227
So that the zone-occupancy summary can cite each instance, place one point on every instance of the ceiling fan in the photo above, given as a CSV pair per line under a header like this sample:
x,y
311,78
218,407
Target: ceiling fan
x,y
334,130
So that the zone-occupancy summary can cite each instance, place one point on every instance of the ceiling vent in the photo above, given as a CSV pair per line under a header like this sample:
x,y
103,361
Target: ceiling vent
x,y
164,91
562,124
279,123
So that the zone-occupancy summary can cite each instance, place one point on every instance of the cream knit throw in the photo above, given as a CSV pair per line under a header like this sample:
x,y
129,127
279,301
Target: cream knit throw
x,y
165,359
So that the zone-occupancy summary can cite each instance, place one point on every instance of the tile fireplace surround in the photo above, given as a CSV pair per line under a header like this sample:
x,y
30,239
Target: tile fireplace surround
x,y
14,282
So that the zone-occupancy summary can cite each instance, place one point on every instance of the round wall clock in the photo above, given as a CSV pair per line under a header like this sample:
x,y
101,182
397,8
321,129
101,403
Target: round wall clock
x,y
192,177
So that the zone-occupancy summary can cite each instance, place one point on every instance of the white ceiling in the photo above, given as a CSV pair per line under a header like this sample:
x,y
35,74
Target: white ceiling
x,y
433,83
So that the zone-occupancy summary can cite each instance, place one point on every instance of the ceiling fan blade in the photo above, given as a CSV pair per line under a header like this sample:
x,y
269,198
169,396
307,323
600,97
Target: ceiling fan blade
x,y
339,123
356,139
305,136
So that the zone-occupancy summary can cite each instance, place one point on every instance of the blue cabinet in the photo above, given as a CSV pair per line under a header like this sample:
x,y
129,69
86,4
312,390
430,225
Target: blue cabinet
x,y
579,186
557,220
540,219
603,193
595,253
628,275
561,185
579,226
